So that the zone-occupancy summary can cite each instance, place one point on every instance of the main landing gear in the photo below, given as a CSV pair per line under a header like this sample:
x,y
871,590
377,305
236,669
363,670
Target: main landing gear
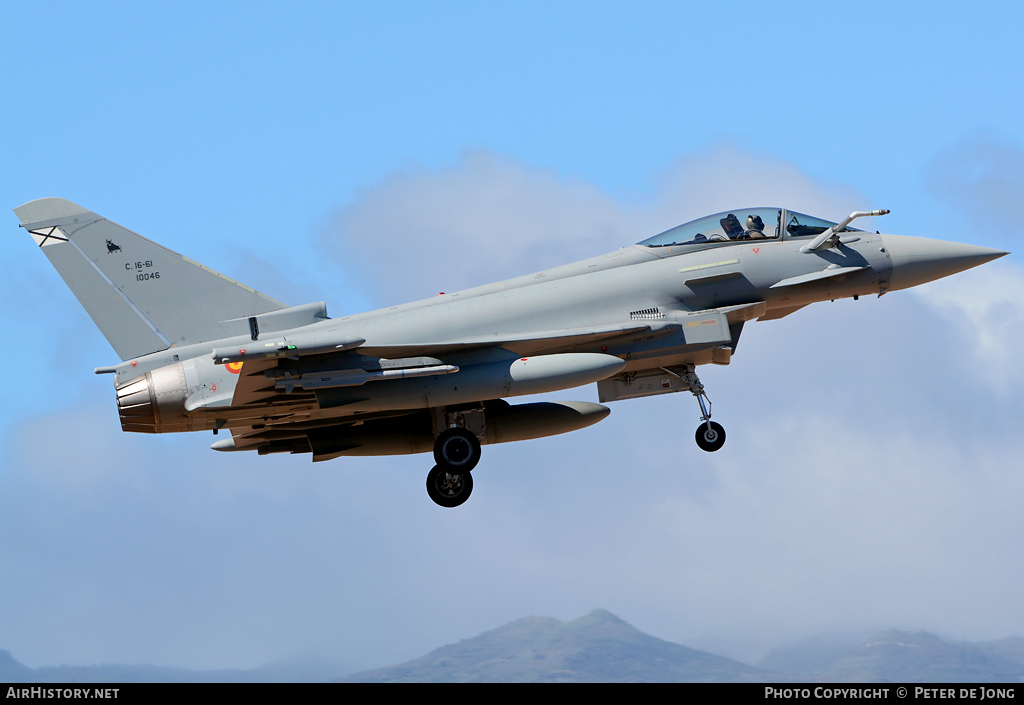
x,y
710,436
448,489
457,449
456,452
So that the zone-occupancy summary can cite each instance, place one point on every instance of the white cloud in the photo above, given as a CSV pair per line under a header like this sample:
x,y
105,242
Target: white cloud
x,y
986,305
723,177
485,219
981,175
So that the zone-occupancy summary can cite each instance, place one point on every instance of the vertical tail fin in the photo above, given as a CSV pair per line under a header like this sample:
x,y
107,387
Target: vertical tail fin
x,y
142,296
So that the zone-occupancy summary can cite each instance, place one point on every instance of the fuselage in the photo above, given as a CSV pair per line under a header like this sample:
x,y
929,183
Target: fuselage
x,y
659,287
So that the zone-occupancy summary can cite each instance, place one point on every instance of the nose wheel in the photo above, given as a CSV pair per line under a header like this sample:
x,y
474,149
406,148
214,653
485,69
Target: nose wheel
x,y
710,435
447,489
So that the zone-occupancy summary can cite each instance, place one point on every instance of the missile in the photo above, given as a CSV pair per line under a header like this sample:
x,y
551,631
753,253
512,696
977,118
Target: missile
x,y
356,377
492,380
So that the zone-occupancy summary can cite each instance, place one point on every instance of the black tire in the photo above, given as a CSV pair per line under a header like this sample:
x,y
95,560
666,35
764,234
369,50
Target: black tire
x,y
710,440
457,450
447,489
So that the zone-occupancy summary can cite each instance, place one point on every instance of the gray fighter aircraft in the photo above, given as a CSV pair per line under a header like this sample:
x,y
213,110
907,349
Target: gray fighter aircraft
x,y
203,352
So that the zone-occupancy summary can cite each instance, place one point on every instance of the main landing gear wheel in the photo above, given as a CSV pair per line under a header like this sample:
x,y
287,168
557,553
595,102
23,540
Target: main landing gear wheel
x,y
710,436
457,450
447,489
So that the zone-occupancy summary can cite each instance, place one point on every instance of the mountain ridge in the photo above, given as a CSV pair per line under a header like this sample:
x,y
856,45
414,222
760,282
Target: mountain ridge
x,y
904,656
13,671
601,647
597,647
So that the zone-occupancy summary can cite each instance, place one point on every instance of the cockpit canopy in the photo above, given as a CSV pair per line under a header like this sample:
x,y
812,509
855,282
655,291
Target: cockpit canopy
x,y
740,225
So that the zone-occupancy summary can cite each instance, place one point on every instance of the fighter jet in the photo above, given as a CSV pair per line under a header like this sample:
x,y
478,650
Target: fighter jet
x,y
202,352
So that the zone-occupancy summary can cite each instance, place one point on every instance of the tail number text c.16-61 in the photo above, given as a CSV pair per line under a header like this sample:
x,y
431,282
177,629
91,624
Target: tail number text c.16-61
x,y
142,276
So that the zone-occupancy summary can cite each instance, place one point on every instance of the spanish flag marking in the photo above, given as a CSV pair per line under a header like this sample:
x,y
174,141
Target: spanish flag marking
x,y
234,367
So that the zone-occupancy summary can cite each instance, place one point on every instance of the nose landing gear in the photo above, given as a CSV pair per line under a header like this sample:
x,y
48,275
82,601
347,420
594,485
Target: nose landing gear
x,y
710,436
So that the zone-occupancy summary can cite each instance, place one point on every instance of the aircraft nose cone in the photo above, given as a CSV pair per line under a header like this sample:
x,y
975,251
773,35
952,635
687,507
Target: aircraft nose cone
x,y
916,260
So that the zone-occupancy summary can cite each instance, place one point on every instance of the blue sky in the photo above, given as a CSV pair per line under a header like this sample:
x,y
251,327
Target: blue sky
x,y
372,154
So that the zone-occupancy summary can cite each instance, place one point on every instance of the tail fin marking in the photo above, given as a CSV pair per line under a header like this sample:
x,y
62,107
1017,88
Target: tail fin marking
x,y
142,296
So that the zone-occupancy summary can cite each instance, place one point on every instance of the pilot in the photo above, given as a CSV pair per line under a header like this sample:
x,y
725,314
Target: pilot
x,y
755,227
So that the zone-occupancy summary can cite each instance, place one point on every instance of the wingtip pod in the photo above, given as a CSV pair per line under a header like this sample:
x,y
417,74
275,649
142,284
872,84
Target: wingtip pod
x,y
45,209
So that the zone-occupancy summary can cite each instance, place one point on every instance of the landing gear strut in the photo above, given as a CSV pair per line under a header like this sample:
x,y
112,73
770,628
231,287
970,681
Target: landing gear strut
x,y
710,435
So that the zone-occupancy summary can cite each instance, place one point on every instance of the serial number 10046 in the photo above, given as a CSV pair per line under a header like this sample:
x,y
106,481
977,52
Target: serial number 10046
x,y
147,275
